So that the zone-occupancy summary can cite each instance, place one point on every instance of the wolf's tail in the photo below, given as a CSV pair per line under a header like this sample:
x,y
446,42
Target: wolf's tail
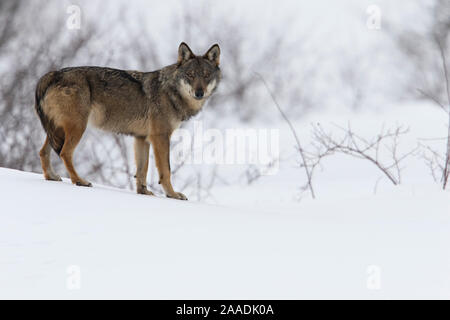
x,y
55,134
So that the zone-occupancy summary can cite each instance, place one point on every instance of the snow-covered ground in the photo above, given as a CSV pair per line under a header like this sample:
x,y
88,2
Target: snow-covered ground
x,y
62,241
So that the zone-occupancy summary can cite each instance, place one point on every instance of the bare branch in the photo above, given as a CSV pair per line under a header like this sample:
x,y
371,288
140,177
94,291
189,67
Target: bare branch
x,y
294,133
356,146
432,98
446,171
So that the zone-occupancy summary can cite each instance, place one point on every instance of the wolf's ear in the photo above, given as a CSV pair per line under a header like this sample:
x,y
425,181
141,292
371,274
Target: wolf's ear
x,y
213,54
184,53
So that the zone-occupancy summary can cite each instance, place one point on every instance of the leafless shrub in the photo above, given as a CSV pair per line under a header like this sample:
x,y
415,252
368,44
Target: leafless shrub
x,y
326,144
434,161
354,145
433,158
446,170
254,172
429,73
422,59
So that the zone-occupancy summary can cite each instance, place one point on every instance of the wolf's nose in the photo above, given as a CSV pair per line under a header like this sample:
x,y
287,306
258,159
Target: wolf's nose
x,y
199,93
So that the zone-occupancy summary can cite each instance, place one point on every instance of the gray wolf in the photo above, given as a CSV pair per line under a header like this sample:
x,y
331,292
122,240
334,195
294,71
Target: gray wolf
x,y
146,105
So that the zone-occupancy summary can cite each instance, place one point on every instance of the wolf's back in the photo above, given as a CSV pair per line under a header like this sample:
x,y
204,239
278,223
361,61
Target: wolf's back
x,y
55,134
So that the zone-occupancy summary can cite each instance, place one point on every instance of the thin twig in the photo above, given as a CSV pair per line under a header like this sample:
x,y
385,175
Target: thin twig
x,y
445,173
434,99
294,133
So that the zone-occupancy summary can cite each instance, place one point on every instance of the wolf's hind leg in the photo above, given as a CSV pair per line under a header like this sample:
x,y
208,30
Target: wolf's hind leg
x,y
44,154
141,151
73,134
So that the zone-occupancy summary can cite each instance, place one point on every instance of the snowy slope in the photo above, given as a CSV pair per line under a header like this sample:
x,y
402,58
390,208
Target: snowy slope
x,y
131,246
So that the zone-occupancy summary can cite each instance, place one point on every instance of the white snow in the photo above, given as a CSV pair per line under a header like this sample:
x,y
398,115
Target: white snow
x,y
132,246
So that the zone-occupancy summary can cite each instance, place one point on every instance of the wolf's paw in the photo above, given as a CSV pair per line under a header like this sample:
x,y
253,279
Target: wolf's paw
x,y
177,195
52,177
83,183
145,191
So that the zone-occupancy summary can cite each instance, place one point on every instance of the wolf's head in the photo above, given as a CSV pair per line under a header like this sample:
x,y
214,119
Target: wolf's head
x,y
198,75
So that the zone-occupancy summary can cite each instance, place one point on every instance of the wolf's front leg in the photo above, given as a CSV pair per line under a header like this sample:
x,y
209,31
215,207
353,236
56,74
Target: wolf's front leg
x,y
141,150
161,148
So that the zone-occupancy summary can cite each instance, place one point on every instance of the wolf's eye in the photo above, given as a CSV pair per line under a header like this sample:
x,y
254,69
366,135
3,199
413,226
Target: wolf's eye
x,y
190,75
